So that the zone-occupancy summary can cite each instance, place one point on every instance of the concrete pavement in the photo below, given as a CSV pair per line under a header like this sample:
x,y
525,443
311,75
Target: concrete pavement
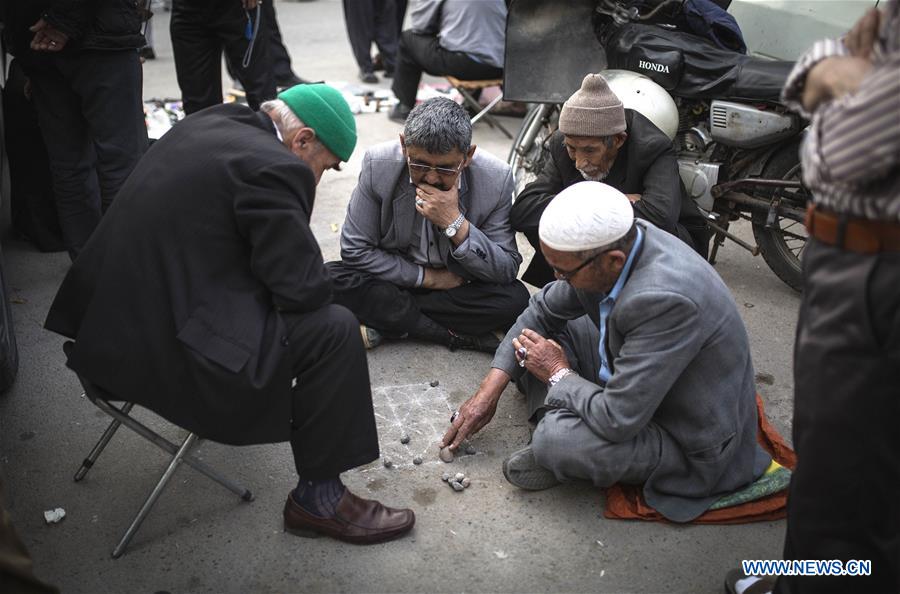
x,y
491,537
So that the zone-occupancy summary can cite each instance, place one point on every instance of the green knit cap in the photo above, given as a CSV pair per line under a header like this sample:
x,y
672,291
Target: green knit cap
x,y
325,110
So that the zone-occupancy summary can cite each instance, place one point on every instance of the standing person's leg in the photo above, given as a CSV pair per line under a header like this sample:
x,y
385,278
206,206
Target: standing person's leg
x,y
414,50
254,71
386,34
109,84
475,308
844,500
70,153
333,431
400,13
359,16
281,60
198,57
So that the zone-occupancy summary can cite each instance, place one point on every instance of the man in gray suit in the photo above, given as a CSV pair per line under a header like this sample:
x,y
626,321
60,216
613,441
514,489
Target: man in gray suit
x,y
426,248
638,364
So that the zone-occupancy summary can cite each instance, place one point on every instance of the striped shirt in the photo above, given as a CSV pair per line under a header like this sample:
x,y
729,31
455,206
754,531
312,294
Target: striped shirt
x,y
851,154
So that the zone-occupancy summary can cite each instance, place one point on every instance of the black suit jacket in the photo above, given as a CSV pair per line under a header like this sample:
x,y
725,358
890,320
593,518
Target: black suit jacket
x,y
645,165
175,302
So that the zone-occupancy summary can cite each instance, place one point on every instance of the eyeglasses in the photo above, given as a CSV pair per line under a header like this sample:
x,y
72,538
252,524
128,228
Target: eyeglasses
x,y
567,275
443,171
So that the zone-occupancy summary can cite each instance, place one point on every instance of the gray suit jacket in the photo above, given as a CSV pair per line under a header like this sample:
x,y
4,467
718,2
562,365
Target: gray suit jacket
x,y
382,223
679,357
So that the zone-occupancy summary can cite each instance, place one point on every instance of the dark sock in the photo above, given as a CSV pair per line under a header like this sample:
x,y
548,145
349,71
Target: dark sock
x,y
319,497
427,329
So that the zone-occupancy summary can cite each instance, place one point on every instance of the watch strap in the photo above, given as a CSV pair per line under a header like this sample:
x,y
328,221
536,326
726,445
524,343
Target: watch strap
x,y
554,379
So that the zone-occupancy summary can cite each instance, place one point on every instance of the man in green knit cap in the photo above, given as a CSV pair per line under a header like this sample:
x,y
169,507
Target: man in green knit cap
x,y
203,297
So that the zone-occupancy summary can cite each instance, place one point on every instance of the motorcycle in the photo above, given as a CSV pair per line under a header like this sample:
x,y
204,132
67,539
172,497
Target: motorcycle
x,y
737,145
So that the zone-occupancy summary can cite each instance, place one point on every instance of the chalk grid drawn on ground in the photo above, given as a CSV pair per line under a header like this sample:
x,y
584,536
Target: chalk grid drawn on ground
x,y
417,410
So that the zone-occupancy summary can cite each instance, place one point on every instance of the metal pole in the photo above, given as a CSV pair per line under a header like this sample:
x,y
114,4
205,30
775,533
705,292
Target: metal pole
x,y
154,495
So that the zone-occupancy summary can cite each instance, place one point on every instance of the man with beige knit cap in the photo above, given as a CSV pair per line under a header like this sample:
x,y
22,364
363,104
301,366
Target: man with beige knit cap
x,y
599,140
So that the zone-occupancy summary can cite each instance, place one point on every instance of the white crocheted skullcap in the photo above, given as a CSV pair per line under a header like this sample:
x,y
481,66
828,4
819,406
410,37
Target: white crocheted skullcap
x,y
585,216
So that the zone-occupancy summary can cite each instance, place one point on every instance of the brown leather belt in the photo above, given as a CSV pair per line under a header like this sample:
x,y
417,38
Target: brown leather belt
x,y
855,235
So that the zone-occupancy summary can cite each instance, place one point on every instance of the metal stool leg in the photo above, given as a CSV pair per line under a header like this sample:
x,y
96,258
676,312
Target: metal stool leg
x,y
166,445
484,113
154,495
104,440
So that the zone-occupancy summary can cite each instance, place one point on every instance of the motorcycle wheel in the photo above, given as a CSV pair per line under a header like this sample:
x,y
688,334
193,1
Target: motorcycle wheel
x,y
526,162
782,244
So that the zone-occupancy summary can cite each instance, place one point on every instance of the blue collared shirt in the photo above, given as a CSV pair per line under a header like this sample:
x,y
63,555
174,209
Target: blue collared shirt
x,y
609,301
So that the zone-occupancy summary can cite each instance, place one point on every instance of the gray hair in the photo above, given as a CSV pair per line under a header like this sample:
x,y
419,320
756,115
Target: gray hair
x,y
438,125
286,120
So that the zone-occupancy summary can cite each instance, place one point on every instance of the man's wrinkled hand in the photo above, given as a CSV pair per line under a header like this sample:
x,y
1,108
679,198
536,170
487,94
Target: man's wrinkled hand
x,y
47,38
441,279
475,413
544,357
441,207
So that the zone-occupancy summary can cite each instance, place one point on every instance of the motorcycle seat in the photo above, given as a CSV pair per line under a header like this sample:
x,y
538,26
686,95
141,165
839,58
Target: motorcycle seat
x,y
760,79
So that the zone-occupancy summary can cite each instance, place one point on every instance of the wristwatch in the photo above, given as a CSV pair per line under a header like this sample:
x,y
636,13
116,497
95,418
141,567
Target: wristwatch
x,y
454,226
554,379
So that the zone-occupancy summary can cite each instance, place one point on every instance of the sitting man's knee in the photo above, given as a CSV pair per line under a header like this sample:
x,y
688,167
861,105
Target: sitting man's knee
x,y
549,443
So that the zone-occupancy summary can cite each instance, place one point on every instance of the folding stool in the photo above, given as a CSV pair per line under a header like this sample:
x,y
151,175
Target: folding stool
x,y
466,87
180,453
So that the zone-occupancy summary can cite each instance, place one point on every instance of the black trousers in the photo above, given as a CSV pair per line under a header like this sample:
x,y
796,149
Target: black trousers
x,y
474,308
91,116
419,52
281,60
200,33
368,21
844,500
333,418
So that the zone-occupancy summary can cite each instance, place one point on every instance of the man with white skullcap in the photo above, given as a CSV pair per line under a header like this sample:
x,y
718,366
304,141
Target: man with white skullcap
x,y
635,364
599,140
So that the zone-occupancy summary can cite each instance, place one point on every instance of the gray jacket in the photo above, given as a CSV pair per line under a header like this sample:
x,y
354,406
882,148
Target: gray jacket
x,y
382,223
679,358
474,27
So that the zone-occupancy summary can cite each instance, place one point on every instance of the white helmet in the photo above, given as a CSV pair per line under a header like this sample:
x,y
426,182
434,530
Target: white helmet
x,y
641,94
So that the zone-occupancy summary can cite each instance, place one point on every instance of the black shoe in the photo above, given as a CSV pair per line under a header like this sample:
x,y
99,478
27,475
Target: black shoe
x,y
486,343
388,73
399,113
368,77
147,53
377,63
290,81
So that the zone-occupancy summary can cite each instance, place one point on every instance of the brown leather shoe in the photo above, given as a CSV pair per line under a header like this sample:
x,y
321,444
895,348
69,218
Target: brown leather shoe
x,y
356,520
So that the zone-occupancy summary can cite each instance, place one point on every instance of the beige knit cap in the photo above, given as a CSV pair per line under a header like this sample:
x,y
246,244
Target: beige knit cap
x,y
593,110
